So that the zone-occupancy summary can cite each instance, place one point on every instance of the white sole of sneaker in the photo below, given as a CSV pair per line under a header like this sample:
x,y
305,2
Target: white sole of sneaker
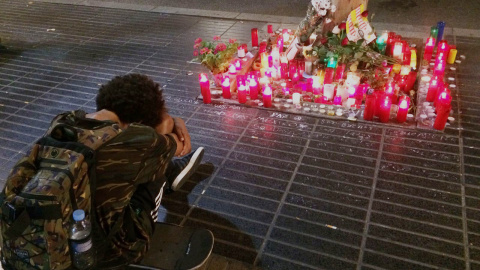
x,y
188,170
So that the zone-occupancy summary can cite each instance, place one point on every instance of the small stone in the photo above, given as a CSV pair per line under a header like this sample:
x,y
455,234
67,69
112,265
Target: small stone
x,y
339,113
431,114
276,100
322,106
289,101
451,79
423,116
451,119
410,116
462,57
426,103
453,68
458,61
322,111
189,73
452,85
306,109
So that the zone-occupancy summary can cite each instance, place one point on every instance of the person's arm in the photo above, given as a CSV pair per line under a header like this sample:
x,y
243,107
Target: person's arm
x,y
176,126
167,126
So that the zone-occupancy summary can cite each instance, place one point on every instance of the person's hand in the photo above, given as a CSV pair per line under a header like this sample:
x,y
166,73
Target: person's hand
x,y
181,131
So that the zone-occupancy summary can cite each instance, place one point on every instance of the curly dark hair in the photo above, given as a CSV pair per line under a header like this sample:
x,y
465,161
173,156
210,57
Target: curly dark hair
x,y
134,98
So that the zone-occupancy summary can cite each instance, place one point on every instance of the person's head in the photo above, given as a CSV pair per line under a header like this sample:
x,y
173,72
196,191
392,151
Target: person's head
x,y
134,98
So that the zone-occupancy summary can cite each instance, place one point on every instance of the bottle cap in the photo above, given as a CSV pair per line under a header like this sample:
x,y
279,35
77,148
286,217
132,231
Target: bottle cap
x,y
78,215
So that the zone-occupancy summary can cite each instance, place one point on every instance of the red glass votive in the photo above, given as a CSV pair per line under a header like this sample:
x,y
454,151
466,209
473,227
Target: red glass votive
x,y
242,94
443,111
254,37
340,71
226,88
432,89
329,73
384,109
270,29
379,97
411,78
369,107
267,96
403,105
253,88
337,100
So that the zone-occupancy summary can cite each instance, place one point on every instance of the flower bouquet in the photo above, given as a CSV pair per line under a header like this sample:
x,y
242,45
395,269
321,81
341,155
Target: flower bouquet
x,y
216,55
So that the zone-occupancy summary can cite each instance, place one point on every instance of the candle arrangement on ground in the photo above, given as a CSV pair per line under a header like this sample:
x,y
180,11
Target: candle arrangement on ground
x,y
346,72
434,95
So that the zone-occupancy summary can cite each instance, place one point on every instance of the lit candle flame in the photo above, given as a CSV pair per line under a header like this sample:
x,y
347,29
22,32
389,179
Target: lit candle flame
x,y
226,82
404,104
203,77
267,91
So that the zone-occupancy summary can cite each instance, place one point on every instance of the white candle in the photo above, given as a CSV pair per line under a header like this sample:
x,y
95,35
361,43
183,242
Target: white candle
x,y
296,98
328,90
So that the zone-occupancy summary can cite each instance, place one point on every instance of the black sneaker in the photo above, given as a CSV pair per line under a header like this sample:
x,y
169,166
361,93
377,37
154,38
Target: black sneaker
x,y
180,169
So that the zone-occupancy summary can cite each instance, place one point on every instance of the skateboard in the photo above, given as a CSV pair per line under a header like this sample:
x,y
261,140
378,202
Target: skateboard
x,y
177,248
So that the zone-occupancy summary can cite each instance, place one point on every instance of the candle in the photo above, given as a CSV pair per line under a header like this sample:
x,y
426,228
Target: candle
x,y
296,98
405,70
441,28
403,106
295,77
332,61
254,37
284,70
443,110
439,68
275,56
384,110
286,35
411,78
238,64
441,94
398,50
379,97
205,88
434,31
280,43
342,91
340,72
316,86
329,72
268,73
264,80
429,46
285,89
337,100
264,59
232,69
390,89
396,68
382,42
369,106
267,96
204,82
226,87
443,48
351,96
452,55
270,29
328,91
413,59
270,61
252,84
242,93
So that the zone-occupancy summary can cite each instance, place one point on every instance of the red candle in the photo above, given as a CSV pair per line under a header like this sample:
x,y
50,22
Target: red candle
x,y
429,45
242,94
329,72
443,110
253,88
204,82
379,97
443,47
254,37
267,96
226,87
280,43
295,77
284,70
432,89
270,29
439,69
403,106
340,72
390,89
444,93
411,78
369,107
385,106
337,100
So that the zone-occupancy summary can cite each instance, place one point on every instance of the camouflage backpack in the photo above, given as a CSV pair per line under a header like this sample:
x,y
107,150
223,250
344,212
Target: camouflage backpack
x,y
45,187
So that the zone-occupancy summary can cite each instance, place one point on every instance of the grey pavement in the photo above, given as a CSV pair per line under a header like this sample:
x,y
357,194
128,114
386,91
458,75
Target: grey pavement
x,y
279,191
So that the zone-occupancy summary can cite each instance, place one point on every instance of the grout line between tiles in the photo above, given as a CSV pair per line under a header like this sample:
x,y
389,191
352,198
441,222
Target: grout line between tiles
x,y
282,201
370,204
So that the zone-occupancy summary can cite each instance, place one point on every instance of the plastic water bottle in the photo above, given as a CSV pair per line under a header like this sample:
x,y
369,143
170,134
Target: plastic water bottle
x,y
83,254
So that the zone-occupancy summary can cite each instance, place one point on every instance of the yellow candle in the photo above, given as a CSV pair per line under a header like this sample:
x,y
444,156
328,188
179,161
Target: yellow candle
x,y
262,71
405,70
321,76
413,59
451,56
396,68
264,59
